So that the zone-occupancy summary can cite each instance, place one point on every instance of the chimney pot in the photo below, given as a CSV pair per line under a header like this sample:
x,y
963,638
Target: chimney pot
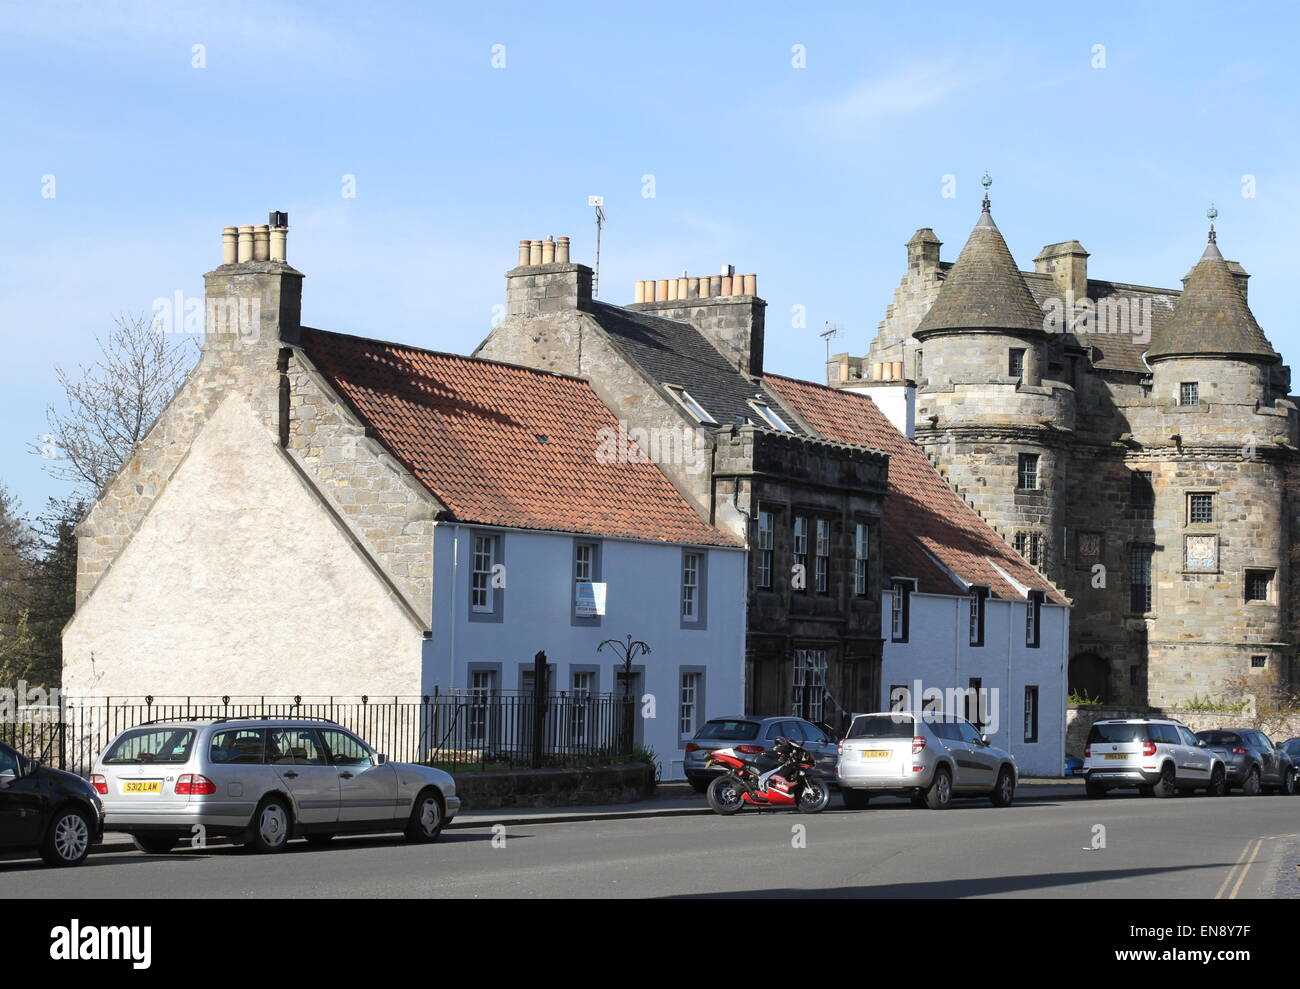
x,y
535,252
523,252
229,237
548,251
262,243
661,290
562,250
245,243
638,292
751,285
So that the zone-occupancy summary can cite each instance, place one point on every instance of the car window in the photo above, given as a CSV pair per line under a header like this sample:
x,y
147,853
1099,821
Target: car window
x,y
882,726
8,761
238,746
295,747
346,750
1119,733
1219,737
1186,737
151,746
775,729
729,731
1162,734
1265,742
797,731
968,733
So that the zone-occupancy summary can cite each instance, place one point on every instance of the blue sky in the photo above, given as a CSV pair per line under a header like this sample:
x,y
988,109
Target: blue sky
x,y
812,177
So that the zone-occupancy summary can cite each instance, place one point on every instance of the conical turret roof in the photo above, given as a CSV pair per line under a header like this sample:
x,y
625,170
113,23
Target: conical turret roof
x,y
984,289
1211,316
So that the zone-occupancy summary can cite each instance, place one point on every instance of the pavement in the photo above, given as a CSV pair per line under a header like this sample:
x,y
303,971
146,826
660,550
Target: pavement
x,y
1047,845
672,799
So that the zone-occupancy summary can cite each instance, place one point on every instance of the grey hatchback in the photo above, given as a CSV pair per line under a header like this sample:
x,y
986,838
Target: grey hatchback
x,y
751,736
1254,763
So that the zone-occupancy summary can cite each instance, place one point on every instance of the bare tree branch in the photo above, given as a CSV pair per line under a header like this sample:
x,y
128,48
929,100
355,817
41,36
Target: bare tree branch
x,y
110,405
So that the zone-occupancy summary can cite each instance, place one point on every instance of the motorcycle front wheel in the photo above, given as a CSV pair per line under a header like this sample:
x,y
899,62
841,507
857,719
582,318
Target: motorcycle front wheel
x,y
726,795
814,796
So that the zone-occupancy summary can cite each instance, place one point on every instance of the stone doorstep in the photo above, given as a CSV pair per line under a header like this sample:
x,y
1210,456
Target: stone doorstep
x,y
660,805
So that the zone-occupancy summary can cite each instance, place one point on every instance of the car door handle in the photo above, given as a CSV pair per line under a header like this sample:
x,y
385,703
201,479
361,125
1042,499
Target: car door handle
x,y
346,776
291,775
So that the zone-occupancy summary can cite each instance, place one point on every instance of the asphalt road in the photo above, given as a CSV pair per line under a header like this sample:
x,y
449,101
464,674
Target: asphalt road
x,y
1183,847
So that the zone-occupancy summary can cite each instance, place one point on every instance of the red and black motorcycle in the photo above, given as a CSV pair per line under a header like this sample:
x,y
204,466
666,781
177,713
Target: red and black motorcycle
x,y
780,777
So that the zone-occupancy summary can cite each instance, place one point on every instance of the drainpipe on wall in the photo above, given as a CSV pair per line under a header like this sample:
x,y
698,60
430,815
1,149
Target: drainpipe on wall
x,y
455,585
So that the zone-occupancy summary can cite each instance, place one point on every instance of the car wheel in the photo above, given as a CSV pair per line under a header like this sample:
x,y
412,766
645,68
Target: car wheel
x,y
1004,790
320,838
427,817
155,844
939,795
1167,786
67,841
1288,787
1252,787
268,831
1218,782
855,799
1094,790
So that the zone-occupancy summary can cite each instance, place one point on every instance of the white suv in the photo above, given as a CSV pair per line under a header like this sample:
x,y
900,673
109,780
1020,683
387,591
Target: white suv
x,y
1159,756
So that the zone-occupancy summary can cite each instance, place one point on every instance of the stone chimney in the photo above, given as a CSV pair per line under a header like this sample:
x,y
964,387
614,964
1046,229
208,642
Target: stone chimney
x,y
545,280
253,298
724,307
923,252
1067,263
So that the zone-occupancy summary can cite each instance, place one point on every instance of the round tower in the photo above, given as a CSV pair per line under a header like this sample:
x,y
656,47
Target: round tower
x,y
985,414
1218,447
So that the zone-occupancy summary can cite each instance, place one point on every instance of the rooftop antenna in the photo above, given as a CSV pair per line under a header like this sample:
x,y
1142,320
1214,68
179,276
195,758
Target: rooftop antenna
x,y
598,202
832,330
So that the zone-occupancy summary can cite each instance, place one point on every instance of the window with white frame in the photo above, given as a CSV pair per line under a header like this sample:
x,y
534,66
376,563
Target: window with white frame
x,y
482,685
691,590
1034,619
584,685
823,556
809,685
801,547
1031,714
691,406
480,581
861,551
898,611
770,417
763,560
688,717
976,615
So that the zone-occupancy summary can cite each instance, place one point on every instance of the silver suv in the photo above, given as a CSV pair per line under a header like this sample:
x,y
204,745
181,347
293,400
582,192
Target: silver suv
x,y
1159,756
928,757
262,781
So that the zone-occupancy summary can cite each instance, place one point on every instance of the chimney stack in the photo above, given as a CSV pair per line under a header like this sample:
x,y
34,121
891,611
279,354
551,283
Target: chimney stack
x,y
724,307
254,297
546,281
1067,263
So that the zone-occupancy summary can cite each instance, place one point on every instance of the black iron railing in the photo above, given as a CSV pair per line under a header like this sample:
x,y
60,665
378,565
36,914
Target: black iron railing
x,y
460,730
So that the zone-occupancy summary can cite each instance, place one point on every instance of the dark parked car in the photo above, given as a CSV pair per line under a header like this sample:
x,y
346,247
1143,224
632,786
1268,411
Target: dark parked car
x,y
1254,764
1292,748
750,736
46,810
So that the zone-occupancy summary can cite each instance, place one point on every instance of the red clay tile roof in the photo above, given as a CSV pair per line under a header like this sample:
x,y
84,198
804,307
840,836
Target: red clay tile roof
x,y
504,445
925,519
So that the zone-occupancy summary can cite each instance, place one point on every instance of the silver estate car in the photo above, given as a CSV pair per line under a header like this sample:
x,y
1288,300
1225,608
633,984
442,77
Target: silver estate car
x,y
262,781
928,757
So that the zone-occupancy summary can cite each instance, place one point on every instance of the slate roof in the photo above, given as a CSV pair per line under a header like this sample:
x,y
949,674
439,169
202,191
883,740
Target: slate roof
x,y
671,351
930,532
504,445
1211,316
983,289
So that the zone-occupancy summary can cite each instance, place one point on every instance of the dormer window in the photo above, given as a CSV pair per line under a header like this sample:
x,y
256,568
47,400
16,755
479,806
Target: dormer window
x,y
770,417
691,406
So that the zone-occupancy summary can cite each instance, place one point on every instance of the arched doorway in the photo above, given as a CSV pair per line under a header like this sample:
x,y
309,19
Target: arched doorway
x,y
1090,677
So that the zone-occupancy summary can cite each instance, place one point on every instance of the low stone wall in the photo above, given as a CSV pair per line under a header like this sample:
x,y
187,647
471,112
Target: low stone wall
x,y
1080,719
554,787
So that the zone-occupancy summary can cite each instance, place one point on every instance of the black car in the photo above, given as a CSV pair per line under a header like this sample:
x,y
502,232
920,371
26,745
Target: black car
x,y
750,737
46,810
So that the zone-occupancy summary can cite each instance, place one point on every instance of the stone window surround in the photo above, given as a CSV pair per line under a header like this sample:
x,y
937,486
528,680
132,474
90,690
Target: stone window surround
x,y
759,549
1268,601
1188,493
1020,472
903,588
701,619
701,693
864,560
1151,586
977,595
497,614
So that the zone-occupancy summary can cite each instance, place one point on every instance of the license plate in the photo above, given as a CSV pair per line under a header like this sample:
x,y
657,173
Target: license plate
x,y
1120,755
875,754
142,786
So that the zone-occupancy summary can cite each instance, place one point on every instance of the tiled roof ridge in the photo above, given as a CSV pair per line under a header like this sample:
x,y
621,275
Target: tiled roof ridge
x,y
446,353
